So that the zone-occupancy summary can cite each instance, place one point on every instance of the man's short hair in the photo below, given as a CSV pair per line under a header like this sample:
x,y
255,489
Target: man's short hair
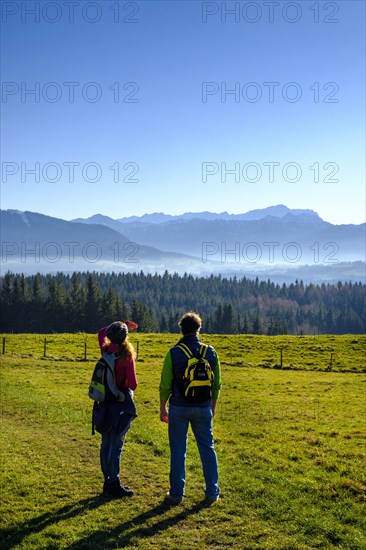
x,y
191,322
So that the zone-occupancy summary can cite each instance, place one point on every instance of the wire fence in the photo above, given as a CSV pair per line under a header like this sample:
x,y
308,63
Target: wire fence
x,y
72,347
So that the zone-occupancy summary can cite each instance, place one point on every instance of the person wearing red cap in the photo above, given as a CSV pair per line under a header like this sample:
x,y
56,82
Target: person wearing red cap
x,y
118,415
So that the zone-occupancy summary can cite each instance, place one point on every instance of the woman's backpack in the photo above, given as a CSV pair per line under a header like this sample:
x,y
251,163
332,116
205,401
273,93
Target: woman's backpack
x,y
103,383
103,390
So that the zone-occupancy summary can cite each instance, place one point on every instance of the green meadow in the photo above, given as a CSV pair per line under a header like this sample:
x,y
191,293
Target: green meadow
x,y
289,434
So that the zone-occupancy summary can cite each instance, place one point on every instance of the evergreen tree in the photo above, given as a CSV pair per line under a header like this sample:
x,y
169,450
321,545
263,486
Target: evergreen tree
x,y
227,320
87,301
163,323
93,304
257,325
245,327
109,307
76,304
55,315
122,310
218,320
37,318
7,318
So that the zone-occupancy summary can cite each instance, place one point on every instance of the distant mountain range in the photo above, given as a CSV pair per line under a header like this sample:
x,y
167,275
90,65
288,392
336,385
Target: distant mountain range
x,y
315,240
278,211
274,240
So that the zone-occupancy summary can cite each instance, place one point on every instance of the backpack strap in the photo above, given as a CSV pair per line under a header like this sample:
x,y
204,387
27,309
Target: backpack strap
x,y
110,359
202,351
185,350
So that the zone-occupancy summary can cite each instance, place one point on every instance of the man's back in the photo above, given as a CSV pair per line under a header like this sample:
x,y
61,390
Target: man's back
x,y
179,363
182,412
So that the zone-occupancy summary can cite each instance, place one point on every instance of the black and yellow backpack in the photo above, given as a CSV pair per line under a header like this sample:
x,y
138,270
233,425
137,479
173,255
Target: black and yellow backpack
x,y
197,381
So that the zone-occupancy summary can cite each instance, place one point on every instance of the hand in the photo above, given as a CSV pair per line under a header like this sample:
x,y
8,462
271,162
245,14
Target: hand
x,y
131,325
213,407
164,417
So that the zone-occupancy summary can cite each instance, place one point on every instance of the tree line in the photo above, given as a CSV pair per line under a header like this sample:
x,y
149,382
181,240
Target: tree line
x,y
85,301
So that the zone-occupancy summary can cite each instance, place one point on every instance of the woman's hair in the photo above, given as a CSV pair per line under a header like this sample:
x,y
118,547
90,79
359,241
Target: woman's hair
x,y
125,349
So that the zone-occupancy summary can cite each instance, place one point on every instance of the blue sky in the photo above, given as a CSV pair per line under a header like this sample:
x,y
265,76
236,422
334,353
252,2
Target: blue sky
x,y
132,110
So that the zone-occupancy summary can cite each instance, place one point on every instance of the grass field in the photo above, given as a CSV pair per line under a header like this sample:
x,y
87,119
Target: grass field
x,y
290,444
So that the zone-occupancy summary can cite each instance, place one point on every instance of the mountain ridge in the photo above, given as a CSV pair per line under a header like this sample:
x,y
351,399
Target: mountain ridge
x,y
277,211
189,234
248,247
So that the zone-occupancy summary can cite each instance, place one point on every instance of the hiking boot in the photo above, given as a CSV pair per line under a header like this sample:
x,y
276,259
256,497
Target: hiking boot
x,y
115,490
128,492
172,500
211,500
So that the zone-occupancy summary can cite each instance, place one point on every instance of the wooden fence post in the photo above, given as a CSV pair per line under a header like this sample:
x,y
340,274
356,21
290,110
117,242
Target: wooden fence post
x,y
331,362
85,350
45,347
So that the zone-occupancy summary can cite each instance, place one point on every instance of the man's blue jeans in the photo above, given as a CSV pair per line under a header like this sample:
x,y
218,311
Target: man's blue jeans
x,y
200,419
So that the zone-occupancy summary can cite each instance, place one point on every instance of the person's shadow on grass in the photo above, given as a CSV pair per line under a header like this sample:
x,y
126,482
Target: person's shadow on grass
x,y
138,527
12,536
102,538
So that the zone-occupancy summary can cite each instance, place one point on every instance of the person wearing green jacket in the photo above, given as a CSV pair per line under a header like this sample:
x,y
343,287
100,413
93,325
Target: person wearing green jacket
x,y
183,412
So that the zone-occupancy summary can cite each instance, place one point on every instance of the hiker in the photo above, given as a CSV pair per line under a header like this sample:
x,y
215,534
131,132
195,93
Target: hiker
x,y
117,415
183,412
